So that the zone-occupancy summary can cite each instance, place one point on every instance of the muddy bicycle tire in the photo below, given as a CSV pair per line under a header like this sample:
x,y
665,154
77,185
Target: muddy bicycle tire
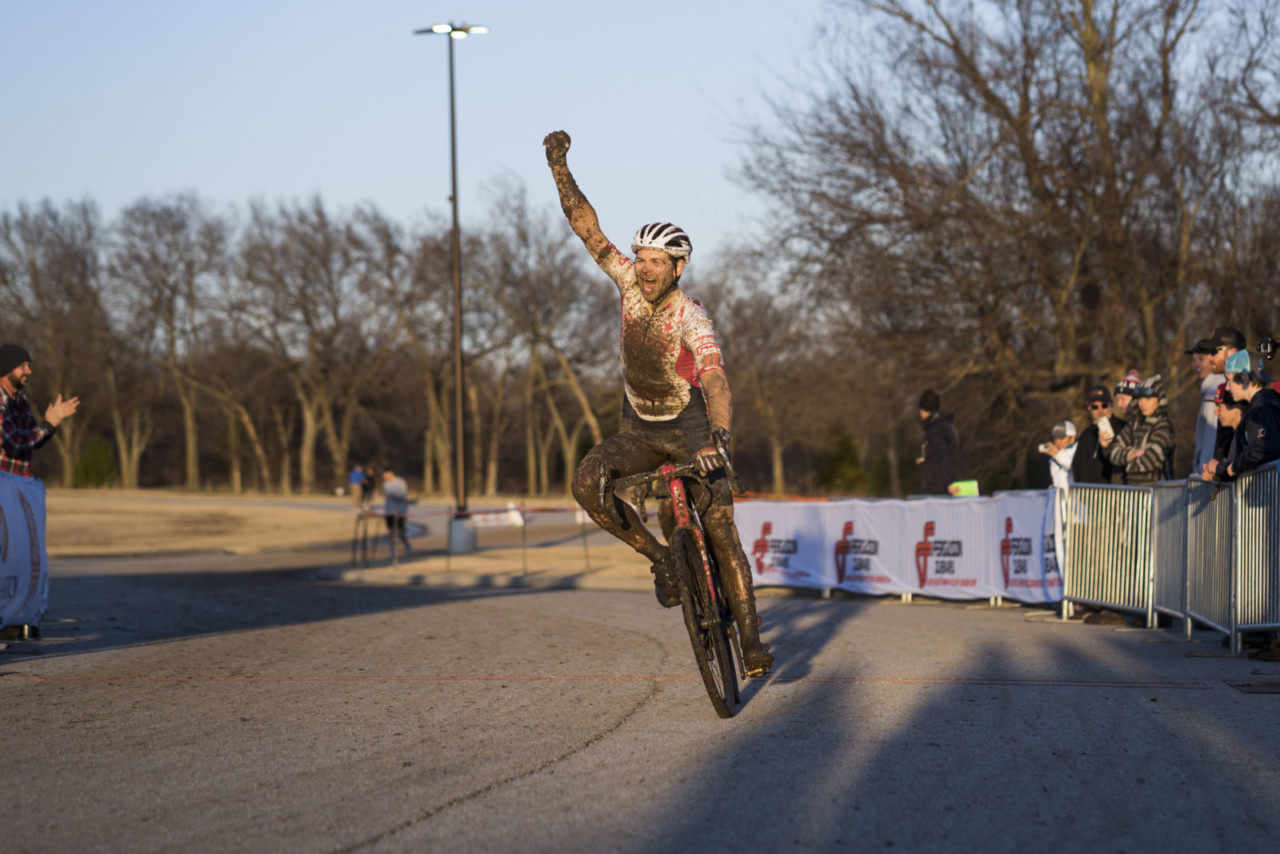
x,y
704,617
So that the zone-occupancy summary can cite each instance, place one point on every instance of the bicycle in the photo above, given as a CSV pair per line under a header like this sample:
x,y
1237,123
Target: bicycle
x,y
707,615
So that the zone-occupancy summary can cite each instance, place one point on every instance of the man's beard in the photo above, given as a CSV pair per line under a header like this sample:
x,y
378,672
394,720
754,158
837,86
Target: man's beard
x,y
17,380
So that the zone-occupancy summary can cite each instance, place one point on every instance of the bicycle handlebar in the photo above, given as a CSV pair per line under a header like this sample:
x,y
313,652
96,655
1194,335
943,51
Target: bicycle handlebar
x,y
687,469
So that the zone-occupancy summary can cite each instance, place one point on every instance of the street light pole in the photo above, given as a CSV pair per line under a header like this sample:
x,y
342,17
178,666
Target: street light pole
x,y
454,31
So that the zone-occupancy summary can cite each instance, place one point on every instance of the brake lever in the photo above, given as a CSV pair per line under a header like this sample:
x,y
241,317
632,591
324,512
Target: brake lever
x,y
722,448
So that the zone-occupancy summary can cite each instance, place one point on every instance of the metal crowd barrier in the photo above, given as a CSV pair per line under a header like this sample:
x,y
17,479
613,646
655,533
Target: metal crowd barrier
x,y
1255,557
1169,549
1109,533
1210,530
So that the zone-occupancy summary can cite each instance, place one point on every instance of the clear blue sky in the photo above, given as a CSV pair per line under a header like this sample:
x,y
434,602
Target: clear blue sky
x,y
282,99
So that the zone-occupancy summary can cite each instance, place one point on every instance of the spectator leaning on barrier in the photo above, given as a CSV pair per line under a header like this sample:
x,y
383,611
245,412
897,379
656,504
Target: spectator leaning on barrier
x,y
1061,449
1206,417
940,453
395,504
1091,463
1146,443
1258,436
1230,413
20,432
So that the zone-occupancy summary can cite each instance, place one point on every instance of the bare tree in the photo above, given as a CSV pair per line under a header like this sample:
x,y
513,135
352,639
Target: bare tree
x,y
166,256
50,299
1010,195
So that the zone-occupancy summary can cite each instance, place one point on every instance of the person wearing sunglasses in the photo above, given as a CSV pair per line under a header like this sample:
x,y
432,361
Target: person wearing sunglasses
x,y
1091,463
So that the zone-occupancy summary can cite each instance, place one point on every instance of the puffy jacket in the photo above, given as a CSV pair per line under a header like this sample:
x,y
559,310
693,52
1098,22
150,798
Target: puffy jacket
x,y
1258,436
1153,435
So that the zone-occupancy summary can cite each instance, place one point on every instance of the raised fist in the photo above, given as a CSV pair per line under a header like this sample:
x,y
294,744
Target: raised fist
x,y
557,145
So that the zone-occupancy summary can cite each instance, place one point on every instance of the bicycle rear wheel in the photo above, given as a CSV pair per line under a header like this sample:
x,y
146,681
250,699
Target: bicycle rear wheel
x,y
704,617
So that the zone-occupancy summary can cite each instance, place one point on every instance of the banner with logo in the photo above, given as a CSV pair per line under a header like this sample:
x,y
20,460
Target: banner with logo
x,y
785,542
948,548
24,564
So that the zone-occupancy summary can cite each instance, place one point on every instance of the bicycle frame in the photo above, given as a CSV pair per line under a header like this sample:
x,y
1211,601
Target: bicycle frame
x,y
686,518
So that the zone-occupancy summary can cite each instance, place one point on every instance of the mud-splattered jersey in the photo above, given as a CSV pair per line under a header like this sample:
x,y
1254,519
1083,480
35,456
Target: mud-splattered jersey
x,y
665,348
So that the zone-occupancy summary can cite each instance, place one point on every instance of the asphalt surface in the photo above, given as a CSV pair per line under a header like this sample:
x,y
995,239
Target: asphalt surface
x,y
264,703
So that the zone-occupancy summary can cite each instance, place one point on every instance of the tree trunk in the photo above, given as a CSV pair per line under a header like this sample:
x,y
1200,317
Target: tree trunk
x,y
775,455
190,431
233,453
576,387
895,476
283,433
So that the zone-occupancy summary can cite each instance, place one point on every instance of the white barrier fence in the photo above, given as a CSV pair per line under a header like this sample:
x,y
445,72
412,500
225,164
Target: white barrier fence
x,y
951,548
24,564
1191,549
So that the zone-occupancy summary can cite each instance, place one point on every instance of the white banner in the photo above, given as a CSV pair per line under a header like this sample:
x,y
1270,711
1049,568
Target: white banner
x,y
24,564
949,548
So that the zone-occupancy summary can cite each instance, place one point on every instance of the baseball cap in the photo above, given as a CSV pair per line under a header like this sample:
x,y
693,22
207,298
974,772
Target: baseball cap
x,y
1242,362
1204,347
1064,429
1227,336
1223,395
1099,394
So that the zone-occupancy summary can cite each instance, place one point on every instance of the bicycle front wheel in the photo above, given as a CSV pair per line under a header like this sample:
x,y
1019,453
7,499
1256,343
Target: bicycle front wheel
x,y
704,617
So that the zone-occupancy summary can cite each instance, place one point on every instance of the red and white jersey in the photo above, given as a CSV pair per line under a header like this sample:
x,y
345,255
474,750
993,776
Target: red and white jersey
x,y
666,348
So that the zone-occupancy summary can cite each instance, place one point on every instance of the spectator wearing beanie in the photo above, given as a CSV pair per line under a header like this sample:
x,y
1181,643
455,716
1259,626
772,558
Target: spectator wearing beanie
x,y
20,432
1146,443
1124,394
940,454
1091,463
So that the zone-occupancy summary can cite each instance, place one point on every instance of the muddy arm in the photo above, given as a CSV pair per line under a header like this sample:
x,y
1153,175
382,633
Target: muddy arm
x,y
582,217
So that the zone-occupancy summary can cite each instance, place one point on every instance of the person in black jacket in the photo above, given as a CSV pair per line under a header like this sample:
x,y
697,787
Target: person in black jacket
x,y
1258,436
940,455
1091,464
1229,413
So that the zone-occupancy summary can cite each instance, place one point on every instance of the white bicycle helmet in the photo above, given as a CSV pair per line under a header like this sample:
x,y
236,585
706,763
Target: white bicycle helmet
x,y
665,236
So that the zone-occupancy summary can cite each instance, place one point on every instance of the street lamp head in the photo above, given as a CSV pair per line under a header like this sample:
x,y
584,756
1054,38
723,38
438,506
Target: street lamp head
x,y
456,31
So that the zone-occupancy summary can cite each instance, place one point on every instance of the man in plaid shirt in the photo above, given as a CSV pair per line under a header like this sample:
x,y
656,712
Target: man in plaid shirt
x,y
20,433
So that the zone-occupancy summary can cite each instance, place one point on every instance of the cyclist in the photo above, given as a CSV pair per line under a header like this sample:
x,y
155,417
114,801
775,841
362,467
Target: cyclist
x,y
676,396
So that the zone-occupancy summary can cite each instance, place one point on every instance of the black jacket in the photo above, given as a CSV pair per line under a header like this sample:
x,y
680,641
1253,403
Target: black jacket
x,y
1090,464
1258,436
941,466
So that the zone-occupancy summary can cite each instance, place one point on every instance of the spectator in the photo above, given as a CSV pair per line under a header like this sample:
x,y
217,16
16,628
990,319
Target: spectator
x,y
395,505
1124,393
356,485
1229,412
1206,418
1225,341
366,489
1091,463
20,433
940,454
1146,443
1061,450
1258,436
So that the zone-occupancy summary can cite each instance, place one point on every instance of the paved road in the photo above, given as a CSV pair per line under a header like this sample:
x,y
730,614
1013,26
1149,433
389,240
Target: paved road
x,y
245,703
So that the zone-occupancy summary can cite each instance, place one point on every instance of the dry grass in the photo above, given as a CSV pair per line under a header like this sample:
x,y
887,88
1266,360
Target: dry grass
x,y
104,522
